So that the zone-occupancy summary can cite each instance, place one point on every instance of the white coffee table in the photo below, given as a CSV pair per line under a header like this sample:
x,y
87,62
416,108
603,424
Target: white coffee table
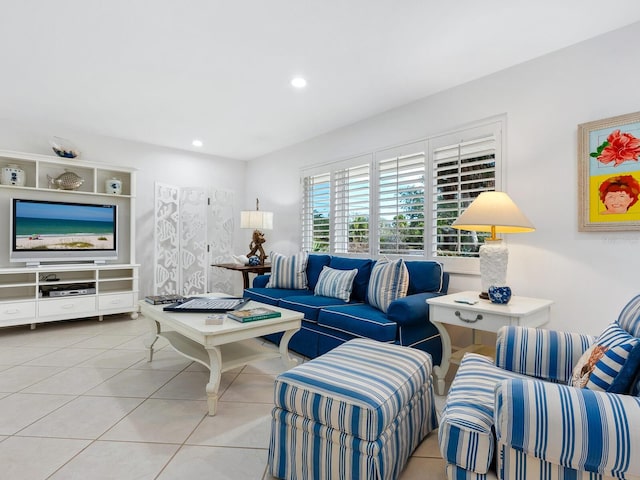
x,y
221,347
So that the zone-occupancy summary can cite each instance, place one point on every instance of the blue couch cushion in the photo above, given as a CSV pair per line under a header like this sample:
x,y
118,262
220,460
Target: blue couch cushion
x,y
361,282
360,320
309,305
272,296
425,276
314,267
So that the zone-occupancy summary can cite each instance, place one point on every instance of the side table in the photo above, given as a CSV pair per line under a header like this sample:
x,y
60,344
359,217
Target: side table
x,y
485,316
246,270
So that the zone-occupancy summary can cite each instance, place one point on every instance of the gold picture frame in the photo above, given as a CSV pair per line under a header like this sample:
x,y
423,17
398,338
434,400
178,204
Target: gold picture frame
x,y
609,174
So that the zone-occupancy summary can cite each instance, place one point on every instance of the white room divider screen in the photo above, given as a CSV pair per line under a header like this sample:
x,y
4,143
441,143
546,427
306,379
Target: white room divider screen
x,y
193,229
220,228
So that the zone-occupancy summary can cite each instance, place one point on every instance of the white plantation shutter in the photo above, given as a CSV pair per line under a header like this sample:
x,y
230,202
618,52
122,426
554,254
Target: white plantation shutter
x,y
351,209
461,171
316,208
336,207
401,200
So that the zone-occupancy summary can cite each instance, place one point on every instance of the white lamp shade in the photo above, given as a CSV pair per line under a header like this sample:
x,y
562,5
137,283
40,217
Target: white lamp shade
x,y
493,209
256,219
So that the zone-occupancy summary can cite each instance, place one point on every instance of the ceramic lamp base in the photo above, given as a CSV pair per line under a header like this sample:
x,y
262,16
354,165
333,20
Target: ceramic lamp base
x,y
493,264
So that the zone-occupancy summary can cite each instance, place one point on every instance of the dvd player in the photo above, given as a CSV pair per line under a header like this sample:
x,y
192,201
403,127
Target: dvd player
x,y
64,293
67,290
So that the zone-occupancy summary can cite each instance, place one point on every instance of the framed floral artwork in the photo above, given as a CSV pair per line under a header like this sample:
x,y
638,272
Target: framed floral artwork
x,y
609,174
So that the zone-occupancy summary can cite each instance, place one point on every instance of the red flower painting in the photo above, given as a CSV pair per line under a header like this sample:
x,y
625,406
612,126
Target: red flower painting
x,y
618,148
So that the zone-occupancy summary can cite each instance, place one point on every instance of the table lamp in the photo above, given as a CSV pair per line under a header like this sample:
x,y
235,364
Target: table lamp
x,y
493,212
258,220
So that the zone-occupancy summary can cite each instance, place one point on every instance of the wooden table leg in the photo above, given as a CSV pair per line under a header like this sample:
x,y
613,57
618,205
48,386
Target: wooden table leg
x,y
245,279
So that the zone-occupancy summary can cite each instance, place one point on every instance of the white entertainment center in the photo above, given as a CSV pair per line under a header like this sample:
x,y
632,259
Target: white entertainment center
x,y
60,291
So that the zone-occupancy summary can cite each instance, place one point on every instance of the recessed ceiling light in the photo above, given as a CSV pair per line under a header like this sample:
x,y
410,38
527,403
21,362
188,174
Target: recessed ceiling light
x,y
197,143
299,82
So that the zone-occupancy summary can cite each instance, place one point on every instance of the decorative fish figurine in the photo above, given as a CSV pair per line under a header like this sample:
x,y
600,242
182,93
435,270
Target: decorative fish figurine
x,y
66,181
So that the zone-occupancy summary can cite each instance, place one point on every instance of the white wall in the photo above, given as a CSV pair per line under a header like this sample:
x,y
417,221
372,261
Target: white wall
x,y
154,164
590,276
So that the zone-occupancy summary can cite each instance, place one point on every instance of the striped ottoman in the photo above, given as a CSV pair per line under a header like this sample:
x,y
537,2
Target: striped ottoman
x,y
357,412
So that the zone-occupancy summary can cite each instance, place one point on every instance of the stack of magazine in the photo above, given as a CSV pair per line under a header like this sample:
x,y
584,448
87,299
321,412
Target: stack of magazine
x,y
253,314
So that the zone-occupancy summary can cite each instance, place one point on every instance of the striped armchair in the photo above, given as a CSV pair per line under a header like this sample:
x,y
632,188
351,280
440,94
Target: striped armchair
x,y
519,413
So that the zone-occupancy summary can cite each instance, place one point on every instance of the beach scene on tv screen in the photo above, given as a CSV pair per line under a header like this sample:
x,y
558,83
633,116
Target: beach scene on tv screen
x,y
43,226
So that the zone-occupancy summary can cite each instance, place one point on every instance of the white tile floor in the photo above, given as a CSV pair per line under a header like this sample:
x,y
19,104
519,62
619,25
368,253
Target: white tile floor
x,y
78,400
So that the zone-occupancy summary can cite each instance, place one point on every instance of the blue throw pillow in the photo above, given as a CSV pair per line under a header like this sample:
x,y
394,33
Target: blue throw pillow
x,y
610,365
389,281
635,385
335,283
361,281
288,272
425,276
315,264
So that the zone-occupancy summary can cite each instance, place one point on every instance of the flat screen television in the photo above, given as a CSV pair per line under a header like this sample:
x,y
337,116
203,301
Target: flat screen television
x,y
49,231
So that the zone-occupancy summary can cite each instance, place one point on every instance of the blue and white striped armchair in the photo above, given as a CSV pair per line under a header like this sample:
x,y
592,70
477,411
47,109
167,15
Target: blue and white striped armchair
x,y
520,413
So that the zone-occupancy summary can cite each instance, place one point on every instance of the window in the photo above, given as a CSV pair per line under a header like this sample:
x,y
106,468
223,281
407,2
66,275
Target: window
x,y
351,217
316,213
461,171
336,208
403,200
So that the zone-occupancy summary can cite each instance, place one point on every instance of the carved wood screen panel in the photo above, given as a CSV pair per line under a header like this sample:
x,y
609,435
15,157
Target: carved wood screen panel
x,y
193,229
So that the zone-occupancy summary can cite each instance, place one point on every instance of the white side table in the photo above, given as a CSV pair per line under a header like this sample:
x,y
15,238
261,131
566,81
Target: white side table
x,y
485,316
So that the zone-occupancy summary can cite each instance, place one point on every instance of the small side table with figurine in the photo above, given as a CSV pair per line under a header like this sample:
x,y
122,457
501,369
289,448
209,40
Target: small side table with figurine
x,y
246,270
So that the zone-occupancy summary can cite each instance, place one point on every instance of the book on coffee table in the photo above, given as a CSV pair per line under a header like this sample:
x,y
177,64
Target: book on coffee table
x,y
252,314
162,299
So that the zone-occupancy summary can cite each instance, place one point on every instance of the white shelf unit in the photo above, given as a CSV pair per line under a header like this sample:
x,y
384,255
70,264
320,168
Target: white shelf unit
x,y
23,297
116,284
38,168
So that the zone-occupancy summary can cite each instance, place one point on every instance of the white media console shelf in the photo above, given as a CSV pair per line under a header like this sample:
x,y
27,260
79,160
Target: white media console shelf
x,y
94,289
113,289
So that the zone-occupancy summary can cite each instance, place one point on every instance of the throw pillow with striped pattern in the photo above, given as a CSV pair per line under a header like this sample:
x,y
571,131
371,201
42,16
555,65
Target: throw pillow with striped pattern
x,y
288,272
335,283
388,281
611,363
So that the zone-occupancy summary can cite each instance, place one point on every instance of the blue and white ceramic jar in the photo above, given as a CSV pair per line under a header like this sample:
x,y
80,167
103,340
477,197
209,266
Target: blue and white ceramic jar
x,y
12,175
113,186
254,261
500,295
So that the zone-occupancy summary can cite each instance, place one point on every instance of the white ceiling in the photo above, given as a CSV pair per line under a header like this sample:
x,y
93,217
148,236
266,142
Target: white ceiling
x,y
168,71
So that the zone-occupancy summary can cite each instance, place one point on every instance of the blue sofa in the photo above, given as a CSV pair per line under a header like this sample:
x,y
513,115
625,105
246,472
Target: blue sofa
x,y
329,322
